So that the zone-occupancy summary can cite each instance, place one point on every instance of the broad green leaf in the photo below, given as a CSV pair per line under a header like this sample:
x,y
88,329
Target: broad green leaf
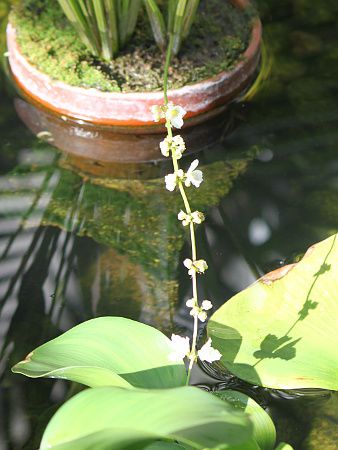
x,y
164,446
283,446
107,415
282,332
107,351
264,430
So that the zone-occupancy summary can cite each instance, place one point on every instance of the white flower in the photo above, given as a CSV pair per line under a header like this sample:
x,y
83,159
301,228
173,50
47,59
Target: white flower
x,y
157,112
206,305
176,145
193,177
198,266
189,265
165,146
184,217
172,178
180,346
208,353
195,217
199,311
174,115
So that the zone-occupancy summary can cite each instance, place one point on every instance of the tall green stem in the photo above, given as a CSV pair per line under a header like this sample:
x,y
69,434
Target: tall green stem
x,y
193,351
166,68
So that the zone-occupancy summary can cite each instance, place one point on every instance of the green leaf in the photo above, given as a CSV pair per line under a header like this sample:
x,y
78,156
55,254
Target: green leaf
x,y
164,446
283,446
156,22
107,351
109,416
264,430
282,331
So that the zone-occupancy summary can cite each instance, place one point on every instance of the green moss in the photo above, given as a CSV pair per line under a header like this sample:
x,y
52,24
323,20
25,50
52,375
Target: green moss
x,y
217,40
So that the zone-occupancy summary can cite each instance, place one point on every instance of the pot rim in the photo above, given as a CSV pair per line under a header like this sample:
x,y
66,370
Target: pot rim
x,y
132,108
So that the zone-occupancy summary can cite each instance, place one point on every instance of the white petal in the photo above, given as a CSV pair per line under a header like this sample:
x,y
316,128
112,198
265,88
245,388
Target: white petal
x,y
208,353
191,272
180,346
181,215
202,315
177,122
180,173
170,181
206,305
188,263
193,165
164,146
190,303
181,110
196,178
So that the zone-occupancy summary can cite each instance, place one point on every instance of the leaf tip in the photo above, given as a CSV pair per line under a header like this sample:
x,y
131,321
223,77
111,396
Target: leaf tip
x,y
16,367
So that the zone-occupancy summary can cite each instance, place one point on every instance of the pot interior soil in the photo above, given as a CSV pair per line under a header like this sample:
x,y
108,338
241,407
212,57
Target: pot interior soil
x,y
218,38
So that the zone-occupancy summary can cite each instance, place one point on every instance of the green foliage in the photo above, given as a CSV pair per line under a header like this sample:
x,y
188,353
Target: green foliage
x,y
264,433
281,332
105,26
112,418
42,25
180,17
107,351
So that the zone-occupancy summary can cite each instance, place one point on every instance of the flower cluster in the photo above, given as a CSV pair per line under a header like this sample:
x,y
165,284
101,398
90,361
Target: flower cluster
x,y
188,218
171,113
197,266
174,147
199,311
181,349
193,177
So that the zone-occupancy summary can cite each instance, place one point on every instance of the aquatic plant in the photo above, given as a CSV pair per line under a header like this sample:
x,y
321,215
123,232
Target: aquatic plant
x,y
295,344
105,26
180,17
132,368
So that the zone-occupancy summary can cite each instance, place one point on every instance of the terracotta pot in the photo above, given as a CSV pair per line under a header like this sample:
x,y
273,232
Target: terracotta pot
x,y
130,112
102,144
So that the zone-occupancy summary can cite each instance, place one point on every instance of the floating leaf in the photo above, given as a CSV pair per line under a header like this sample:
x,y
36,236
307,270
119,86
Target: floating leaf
x,y
109,416
282,332
264,430
107,351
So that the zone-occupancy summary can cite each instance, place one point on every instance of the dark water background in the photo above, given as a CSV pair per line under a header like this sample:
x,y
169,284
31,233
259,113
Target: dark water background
x,y
77,243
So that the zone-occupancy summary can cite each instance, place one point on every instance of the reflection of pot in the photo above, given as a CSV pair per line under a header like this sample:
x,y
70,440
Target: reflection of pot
x,y
103,143
201,100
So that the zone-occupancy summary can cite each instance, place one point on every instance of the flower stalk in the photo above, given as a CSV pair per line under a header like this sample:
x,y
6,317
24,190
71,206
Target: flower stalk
x,y
174,146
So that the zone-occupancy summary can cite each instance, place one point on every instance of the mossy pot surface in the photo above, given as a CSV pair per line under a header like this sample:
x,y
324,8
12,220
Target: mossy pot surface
x,y
130,112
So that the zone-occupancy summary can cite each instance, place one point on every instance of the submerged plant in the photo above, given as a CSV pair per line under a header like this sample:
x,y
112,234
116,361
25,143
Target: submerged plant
x,y
105,26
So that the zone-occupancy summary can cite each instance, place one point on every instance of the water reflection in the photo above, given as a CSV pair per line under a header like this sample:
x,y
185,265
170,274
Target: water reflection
x,y
80,240
113,144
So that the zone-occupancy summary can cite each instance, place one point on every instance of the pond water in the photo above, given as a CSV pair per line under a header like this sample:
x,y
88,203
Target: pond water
x,y
80,240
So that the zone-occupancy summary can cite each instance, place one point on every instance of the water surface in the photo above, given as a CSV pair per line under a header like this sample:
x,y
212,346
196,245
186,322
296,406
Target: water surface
x,y
79,241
